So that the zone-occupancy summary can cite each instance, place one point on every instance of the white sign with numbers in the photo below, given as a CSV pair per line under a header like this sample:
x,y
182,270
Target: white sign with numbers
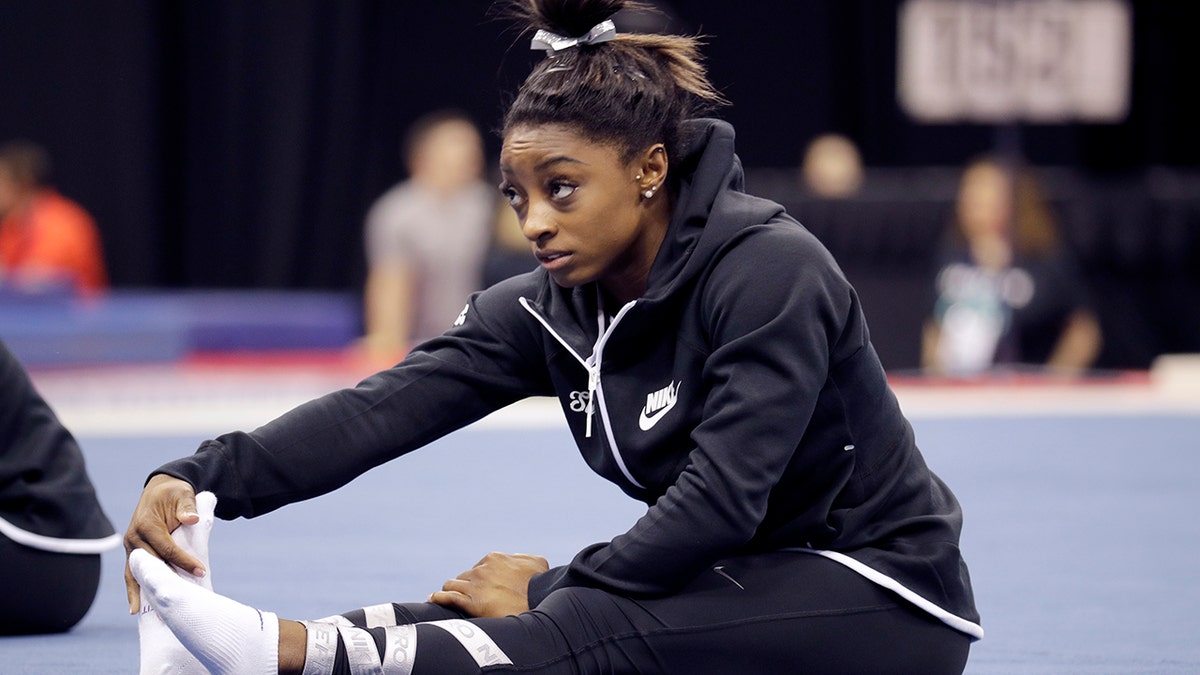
x,y
998,61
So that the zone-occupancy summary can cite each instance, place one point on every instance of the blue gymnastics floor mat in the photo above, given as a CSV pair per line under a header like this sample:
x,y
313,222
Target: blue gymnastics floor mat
x,y
1080,534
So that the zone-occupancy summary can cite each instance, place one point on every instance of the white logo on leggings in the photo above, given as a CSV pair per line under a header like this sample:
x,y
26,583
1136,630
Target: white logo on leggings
x,y
478,644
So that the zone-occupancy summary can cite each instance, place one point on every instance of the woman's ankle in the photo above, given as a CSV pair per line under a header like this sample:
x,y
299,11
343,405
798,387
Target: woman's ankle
x,y
293,640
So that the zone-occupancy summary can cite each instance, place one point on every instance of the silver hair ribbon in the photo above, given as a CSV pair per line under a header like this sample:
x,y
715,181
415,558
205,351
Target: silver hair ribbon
x,y
552,44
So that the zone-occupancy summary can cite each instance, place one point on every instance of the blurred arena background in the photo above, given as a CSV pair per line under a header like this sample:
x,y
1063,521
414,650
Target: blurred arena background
x,y
238,145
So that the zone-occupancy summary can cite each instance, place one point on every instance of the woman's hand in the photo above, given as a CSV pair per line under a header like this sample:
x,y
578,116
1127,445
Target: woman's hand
x,y
166,503
496,586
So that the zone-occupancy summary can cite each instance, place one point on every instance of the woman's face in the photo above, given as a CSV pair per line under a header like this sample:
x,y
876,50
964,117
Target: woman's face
x,y
582,209
985,201
449,157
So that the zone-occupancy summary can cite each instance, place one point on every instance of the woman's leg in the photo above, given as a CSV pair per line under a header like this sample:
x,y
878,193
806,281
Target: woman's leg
x,y
42,484
430,639
44,592
789,612
772,613
381,635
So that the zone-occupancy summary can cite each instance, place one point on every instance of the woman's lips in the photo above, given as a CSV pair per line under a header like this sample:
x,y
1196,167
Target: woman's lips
x,y
552,260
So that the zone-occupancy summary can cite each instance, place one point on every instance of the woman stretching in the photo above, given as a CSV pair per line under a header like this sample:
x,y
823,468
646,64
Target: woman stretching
x,y
710,359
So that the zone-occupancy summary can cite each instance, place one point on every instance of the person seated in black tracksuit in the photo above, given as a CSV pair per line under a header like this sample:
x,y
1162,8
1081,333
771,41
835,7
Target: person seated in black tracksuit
x,y
52,529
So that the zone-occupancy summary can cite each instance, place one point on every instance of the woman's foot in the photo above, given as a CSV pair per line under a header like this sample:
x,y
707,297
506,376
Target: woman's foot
x,y
227,637
161,651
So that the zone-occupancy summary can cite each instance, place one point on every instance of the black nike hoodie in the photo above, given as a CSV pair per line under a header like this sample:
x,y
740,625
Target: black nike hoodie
x,y
739,398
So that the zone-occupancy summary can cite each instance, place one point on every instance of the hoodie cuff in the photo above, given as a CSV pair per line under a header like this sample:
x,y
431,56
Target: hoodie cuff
x,y
208,469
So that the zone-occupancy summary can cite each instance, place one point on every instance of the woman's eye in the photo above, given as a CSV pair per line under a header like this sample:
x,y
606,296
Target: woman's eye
x,y
511,194
561,190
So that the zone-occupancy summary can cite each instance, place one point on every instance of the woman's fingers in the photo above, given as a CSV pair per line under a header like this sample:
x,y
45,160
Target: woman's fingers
x,y
455,600
165,504
496,586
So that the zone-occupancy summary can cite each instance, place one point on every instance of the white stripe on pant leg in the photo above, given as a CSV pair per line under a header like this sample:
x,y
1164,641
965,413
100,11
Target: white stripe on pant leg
x,y
399,649
478,644
361,651
378,616
320,650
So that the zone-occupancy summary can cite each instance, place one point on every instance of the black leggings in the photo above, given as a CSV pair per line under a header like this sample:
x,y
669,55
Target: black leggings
x,y
782,612
44,592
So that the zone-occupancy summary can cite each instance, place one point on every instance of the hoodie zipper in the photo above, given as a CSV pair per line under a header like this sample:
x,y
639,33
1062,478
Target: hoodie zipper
x,y
593,385
592,366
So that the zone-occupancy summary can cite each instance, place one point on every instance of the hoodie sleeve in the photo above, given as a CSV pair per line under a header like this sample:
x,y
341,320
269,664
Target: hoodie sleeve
x,y
777,309
46,498
489,359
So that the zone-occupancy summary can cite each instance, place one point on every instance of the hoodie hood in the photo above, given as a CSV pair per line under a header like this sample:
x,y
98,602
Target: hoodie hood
x,y
711,206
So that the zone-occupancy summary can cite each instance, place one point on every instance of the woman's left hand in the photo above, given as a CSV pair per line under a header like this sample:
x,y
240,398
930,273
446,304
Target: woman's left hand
x,y
496,586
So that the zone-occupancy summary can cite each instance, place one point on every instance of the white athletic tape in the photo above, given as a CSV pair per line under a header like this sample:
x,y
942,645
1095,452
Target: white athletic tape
x,y
378,616
399,649
478,644
320,650
361,652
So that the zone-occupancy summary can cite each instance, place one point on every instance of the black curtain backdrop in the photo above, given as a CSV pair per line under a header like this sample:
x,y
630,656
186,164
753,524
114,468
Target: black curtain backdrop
x,y
239,143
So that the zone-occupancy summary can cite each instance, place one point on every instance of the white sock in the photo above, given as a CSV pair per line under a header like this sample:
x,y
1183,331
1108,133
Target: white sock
x,y
161,652
228,638
194,538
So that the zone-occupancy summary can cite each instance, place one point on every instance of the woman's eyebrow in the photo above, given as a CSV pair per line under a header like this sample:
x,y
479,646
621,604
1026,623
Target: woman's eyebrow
x,y
545,163
549,161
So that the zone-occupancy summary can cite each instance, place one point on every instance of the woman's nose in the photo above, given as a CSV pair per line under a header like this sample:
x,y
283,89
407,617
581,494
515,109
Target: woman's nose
x,y
537,224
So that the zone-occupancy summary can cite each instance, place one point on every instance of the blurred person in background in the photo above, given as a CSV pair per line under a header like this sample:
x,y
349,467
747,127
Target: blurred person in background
x,y
52,529
1007,291
832,167
426,238
46,240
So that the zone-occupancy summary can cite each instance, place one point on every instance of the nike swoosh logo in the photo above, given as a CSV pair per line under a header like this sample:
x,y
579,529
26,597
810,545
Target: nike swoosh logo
x,y
647,422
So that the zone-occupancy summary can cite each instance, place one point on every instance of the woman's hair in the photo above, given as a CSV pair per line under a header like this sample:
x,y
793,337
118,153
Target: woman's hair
x,y
631,92
1036,232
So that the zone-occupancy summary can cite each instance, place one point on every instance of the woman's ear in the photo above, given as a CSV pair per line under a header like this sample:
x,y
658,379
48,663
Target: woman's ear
x,y
652,170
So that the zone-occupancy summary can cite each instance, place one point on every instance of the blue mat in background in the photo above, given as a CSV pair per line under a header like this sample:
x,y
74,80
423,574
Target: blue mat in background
x,y
1080,534
162,326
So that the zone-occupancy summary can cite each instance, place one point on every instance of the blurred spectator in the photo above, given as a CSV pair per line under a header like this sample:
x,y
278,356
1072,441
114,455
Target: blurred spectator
x,y
46,240
1007,292
832,167
426,237
52,529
